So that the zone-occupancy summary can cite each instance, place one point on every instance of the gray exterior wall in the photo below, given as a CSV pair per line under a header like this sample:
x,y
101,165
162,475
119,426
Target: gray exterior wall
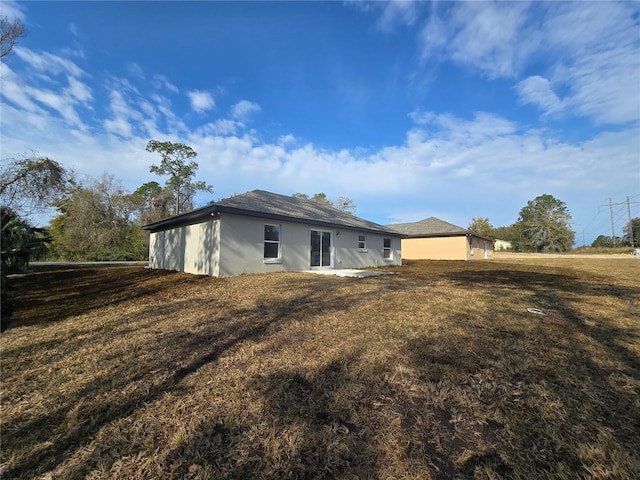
x,y
348,255
242,246
234,244
189,248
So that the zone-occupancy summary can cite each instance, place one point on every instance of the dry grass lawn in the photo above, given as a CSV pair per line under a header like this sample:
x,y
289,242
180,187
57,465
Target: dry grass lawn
x,y
438,372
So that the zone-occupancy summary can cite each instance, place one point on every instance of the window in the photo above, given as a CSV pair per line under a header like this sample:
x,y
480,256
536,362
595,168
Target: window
x,y
386,250
362,242
272,242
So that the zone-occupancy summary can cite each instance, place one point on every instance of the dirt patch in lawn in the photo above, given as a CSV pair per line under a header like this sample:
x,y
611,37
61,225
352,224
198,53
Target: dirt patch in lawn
x,y
436,372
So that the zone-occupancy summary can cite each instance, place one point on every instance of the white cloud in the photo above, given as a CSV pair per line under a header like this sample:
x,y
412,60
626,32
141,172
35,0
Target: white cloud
x,y
119,126
223,127
491,37
537,91
47,62
243,109
13,10
396,13
135,70
78,90
58,97
160,82
73,28
287,139
588,51
124,117
201,100
13,89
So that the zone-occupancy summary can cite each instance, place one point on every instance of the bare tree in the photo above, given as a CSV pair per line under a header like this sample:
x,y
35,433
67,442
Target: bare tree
x,y
10,31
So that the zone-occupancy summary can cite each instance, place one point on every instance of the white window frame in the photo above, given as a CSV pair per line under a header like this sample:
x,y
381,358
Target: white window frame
x,y
277,259
362,244
387,249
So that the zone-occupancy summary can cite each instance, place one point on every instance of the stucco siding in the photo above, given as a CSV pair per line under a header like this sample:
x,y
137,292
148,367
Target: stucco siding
x,y
189,248
349,255
435,248
234,244
460,247
479,248
242,246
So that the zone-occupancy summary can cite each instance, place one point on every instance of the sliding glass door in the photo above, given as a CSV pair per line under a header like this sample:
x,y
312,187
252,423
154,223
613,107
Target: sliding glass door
x,y
321,249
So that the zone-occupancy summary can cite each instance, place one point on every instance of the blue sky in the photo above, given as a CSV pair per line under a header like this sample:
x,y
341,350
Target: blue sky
x,y
412,109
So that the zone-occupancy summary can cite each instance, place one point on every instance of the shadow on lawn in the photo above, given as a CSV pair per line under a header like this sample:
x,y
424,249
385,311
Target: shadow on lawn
x,y
565,405
154,369
82,289
486,402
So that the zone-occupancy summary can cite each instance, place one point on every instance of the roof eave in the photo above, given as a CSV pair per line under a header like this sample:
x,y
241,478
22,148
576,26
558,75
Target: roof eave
x,y
448,234
183,219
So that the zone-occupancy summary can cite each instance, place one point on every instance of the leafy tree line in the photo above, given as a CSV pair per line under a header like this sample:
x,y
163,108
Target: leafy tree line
x,y
96,219
543,225
630,236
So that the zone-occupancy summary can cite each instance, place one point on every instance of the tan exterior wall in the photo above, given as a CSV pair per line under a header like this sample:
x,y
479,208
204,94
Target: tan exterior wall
x,y
480,248
446,248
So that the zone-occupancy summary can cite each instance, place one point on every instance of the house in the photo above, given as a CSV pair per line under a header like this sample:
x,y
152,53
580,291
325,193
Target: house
x,y
435,239
501,245
259,232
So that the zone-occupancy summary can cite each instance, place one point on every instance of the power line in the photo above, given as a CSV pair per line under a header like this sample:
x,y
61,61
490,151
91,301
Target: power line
x,y
616,215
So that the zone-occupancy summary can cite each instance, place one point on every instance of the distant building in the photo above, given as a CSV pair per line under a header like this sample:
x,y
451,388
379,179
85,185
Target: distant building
x,y
435,239
500,245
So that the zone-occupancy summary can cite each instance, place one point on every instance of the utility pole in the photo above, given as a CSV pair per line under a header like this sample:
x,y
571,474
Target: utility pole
x,y
630,223
613,235
611,205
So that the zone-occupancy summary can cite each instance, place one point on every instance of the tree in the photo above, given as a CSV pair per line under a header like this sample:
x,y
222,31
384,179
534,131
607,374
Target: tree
x,y
174,157
604,241
481,226
21,242
32,184
342,203
153,202
632,233
345,204
505,233
27,185
10,31
97,222
322,199
543,225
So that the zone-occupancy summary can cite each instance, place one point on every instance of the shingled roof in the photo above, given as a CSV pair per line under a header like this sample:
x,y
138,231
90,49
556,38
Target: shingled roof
x,y
431,227
263,204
